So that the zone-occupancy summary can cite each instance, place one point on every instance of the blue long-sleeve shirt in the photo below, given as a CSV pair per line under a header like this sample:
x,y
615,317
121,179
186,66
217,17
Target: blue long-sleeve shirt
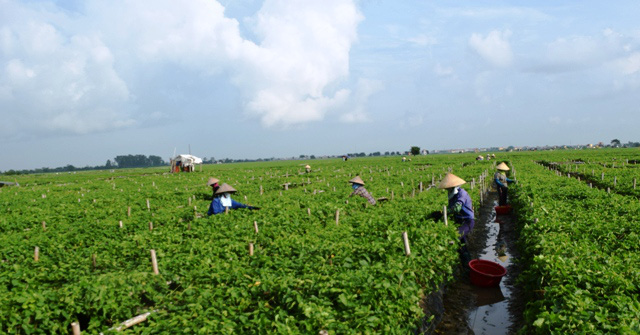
x,y
217,208
501,180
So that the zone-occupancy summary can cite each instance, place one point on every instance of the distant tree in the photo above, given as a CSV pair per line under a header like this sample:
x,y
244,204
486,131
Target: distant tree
x,y
386,153
108,165
156,160
312,157
375,154
415,151
615,143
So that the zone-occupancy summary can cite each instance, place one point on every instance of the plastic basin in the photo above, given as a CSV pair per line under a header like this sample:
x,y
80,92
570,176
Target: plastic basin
x,y
503,209
486,273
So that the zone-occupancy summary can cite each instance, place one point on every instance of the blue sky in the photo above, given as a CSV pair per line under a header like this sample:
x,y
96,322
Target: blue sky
x,y
84,81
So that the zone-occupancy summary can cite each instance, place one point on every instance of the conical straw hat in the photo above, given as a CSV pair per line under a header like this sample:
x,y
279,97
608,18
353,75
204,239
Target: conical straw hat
x,y
212,181
357,180
502,166
226,188
307,166
451,180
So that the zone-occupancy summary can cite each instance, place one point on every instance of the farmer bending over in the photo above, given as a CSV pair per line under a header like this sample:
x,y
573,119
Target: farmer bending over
x,y
222,200
358,189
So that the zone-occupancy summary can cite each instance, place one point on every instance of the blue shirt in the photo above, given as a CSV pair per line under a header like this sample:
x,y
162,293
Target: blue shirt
x,y
463,198
217,208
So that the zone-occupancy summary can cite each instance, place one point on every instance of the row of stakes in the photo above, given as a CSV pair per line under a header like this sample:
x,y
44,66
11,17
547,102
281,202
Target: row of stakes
x,y
154,261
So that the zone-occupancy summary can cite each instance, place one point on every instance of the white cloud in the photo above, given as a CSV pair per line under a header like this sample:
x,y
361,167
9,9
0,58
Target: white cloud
x,y
440,70
494,48
73,72
304,49
356,112
628,65
423,40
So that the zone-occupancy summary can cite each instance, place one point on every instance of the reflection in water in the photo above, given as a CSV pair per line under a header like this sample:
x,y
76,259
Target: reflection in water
x,y
491,315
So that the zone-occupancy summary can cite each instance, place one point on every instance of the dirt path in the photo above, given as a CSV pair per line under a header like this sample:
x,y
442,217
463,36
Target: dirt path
x,y
473,310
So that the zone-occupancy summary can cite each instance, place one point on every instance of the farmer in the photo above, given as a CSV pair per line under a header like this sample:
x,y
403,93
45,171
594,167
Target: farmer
x,y
459,204
307,168
213,182
222,200
501,182
358,189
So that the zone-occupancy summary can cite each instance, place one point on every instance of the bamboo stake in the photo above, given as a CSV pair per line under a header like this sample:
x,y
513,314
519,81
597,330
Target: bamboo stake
x,y
120,223
132,322
337,216
75,327
93,261
250,249
150,225
129,211
405,240
309,211
36,254
255,226
446,220
154,262
44,225
148,206
634,183
226,209
615,180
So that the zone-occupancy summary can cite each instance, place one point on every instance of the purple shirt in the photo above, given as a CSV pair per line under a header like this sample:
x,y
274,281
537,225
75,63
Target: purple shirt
x,y
462,198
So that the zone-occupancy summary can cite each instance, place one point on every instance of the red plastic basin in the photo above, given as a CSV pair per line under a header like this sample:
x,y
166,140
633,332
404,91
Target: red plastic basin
x,y
486,273
503,209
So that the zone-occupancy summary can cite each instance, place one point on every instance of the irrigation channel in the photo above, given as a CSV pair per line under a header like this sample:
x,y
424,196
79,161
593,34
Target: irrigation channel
x,y
469,309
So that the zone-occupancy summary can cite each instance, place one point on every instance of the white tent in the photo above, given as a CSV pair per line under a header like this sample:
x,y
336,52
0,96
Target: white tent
x,y
186,161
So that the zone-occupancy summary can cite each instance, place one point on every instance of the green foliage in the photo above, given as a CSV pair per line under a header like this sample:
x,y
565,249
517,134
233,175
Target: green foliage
x,y
307,274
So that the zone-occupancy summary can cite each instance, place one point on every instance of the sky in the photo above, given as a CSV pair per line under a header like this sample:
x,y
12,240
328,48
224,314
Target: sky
x,y
83,81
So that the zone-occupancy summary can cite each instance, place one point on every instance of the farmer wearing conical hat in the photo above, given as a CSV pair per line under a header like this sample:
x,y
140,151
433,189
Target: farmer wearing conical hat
x,y
501,182
222,200
358,189
213,182
307,168
459,204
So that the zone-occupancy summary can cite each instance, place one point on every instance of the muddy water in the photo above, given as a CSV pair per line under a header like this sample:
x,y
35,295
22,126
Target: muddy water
x,y
491,314
477,310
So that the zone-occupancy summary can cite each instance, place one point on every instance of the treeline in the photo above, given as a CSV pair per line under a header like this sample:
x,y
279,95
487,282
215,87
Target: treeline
x,y
120,162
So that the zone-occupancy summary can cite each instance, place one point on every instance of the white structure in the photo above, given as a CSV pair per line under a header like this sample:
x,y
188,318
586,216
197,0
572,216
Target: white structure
x,y
185,163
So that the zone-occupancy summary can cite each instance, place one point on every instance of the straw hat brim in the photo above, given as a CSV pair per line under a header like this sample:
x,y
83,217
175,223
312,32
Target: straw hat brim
x,y
357,180
451,180
212,181
226,188
502,166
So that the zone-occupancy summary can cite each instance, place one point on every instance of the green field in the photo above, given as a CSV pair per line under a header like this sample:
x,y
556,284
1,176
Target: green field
x,y
309,271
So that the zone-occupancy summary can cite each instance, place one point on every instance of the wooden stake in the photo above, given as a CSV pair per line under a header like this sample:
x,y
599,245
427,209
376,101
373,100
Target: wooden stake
x,y
154,262
615,180
150,225
44,225
189,201
250,249
129,211
120,223
337,216
446,220
75,327
309,211
260,189
255,226
148,206
226,209
93,261
36,254
405,240
634,183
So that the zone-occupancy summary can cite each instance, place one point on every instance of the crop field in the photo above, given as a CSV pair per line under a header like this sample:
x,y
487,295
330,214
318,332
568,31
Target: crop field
x,y
77,247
